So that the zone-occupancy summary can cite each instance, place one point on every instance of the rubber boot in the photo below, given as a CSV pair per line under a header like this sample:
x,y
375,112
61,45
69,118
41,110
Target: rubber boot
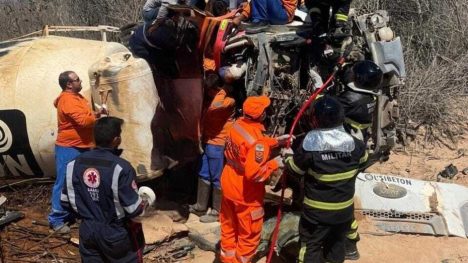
x,y
203,194
351,251
213,214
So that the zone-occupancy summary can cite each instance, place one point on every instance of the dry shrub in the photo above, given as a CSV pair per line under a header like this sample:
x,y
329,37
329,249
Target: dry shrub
x,y
18,18
435,39
429,95
428,27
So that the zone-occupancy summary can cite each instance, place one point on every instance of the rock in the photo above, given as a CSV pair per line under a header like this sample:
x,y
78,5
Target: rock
x,y
173,210
159,227
205,235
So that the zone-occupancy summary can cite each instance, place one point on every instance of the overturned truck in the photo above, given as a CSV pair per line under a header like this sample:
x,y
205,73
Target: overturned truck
x,y
29,69
163,111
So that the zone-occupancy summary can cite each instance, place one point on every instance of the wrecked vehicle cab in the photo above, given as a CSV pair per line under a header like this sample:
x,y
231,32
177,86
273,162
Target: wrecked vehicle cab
x,y
288,64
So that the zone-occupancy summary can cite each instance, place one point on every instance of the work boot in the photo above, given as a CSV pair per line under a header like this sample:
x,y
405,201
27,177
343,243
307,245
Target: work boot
x,y
213,214
63,229
203,194
351,251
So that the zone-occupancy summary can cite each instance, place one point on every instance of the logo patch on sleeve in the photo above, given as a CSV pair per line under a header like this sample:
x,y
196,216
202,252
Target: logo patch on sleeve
x,y
134,185
92,178
259,153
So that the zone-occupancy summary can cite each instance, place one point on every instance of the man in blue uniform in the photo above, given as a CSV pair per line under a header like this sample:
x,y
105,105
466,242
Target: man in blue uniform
x,y
329,159
100,188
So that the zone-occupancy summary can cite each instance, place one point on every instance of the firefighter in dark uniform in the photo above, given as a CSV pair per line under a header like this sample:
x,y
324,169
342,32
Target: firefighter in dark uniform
x,y
359,101
358,98
100,188
319,15
329,159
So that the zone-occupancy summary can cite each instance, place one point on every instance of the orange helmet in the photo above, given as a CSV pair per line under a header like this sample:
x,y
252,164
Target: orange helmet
x,y
254,106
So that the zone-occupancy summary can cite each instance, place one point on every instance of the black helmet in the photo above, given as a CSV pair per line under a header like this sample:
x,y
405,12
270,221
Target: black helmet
x,y
367,75
326,112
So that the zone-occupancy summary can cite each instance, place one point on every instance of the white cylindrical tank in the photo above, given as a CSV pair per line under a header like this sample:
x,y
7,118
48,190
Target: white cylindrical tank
x,y
125,86
29,70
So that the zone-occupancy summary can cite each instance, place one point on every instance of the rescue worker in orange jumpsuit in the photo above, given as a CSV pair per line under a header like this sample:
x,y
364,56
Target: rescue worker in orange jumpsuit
x,y
217,121
248,165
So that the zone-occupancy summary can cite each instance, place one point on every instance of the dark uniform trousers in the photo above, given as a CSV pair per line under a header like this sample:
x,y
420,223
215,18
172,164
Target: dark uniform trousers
x,y
314,237
111,242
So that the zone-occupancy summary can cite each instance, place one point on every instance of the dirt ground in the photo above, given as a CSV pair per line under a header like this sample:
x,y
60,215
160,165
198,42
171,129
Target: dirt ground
x,y
29,240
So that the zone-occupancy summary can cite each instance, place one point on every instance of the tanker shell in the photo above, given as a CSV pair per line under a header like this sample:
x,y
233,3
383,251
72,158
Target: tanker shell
x,y
125,86
29,70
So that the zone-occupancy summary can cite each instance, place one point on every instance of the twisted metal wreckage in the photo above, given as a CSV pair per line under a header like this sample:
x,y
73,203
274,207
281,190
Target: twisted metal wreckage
x,y
161,103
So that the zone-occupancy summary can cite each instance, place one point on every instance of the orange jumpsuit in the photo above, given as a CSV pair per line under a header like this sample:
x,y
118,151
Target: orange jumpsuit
x,y
242,183
218,119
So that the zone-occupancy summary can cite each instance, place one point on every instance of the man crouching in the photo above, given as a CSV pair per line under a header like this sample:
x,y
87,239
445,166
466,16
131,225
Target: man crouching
x,y
100,187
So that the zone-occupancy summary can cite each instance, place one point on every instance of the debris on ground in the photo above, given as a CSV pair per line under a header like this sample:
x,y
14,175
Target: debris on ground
x,y
449,171
7,217
26,244
30,240
177,250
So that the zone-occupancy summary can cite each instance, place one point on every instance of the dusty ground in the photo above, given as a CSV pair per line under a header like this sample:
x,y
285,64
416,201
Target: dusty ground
x,y
28,242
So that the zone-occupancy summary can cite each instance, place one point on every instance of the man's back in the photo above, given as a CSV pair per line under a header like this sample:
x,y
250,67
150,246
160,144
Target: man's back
x,y
104,187
330,160
243,175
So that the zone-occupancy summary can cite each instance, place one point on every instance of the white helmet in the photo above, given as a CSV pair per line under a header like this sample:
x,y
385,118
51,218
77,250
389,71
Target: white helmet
x,y
147,193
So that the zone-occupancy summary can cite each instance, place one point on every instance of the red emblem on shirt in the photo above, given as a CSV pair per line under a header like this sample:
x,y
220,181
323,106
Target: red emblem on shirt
x,y
92,178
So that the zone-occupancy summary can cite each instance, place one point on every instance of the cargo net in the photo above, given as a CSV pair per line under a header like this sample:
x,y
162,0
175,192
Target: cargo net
x,y
376,214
